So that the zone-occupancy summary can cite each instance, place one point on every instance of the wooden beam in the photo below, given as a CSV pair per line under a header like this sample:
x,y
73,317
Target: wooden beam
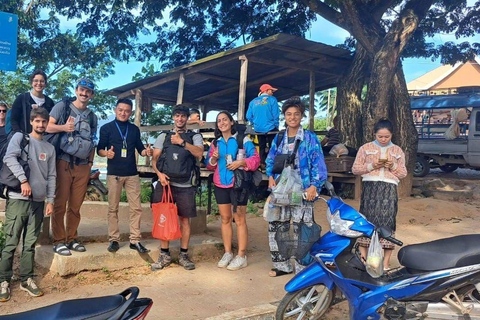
x,y
262,80
300,52
292,65
242,89
311,108
181,87
214,77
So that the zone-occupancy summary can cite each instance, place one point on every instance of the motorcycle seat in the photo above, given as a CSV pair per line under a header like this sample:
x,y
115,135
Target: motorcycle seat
x,y
454,252
91,308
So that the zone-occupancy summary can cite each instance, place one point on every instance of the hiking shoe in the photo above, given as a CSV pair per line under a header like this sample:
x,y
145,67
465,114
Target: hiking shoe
x,y
227,257
185,261
31,288
237,263
4,291
164,260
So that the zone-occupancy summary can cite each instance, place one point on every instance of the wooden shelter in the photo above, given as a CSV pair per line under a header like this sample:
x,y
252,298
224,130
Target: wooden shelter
x,y
229,80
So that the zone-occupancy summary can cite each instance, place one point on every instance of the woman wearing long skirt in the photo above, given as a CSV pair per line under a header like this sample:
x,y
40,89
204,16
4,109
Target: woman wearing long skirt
x,y
381,165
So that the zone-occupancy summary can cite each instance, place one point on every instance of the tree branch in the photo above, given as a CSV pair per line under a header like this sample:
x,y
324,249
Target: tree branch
x,y
328,13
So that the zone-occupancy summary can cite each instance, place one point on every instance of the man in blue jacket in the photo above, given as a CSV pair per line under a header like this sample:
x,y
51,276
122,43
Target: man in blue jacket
x,y
264,114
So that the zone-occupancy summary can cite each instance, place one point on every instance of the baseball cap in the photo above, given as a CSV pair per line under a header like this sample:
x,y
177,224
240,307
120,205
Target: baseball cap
x,y
86,83
265,87
180,108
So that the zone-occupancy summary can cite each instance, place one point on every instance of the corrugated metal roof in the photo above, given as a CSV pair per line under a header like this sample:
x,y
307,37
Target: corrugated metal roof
x,y
282,60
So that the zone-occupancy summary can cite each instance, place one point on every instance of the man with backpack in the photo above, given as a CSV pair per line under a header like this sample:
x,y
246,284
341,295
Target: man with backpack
x,y
118,141
25,203
75,125
175,163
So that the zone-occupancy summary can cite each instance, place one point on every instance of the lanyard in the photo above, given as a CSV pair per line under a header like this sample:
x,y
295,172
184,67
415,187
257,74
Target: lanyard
x,y
124,137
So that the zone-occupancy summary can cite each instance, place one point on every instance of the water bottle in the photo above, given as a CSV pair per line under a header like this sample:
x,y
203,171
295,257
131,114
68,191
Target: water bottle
x,y
241,156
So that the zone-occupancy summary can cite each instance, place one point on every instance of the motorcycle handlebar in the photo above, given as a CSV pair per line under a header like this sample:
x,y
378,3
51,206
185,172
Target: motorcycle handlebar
x,y
395,241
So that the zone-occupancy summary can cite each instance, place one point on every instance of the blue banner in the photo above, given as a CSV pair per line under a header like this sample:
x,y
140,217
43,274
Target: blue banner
x,y
8,41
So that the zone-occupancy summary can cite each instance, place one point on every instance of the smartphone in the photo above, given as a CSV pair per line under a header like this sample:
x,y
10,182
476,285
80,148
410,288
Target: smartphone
x,y
382,160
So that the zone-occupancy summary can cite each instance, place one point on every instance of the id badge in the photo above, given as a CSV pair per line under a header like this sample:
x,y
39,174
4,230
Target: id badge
x,y
124,153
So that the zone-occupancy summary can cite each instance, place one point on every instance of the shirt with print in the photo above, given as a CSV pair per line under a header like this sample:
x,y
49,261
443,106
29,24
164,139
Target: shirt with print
x,y
197,141
263,112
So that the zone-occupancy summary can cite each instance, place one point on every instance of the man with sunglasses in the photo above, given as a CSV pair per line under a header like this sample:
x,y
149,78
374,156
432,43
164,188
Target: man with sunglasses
x,y
73,173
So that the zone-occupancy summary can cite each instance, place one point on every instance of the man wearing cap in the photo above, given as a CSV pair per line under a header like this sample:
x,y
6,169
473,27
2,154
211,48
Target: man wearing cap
x,y
171,150
73,173
264,114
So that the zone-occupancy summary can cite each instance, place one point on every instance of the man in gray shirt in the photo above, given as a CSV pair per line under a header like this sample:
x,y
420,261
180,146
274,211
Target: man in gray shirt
x,y
73,173
24,211
177,151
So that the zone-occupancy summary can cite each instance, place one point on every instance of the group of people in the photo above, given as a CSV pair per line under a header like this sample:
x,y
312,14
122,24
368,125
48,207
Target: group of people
x,y
58,177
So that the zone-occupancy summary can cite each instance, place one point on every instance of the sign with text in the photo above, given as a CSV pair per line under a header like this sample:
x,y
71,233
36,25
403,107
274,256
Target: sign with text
x,y
8,41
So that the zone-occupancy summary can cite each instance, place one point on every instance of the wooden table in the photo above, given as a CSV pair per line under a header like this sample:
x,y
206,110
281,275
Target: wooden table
x,y
345,177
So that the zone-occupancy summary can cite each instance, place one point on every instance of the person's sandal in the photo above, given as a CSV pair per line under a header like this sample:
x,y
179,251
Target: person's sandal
x,y
76,246
277,273
61,249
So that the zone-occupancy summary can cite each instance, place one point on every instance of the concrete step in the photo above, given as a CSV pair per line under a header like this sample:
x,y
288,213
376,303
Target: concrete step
x,y
97,257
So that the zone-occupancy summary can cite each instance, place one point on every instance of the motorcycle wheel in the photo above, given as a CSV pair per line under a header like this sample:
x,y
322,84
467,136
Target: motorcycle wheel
x,y
469,294
309,303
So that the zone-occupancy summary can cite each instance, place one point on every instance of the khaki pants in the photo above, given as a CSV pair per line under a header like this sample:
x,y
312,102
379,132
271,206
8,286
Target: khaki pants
x,y
132,188
71,186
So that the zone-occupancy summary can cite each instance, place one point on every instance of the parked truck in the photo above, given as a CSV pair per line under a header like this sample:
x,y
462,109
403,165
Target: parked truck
x,y
448,130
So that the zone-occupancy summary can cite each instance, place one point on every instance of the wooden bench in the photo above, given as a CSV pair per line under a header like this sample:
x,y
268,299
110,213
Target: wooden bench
x,y
347,178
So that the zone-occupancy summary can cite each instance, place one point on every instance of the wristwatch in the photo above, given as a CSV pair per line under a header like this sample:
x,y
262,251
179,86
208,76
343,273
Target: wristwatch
x,y
183,144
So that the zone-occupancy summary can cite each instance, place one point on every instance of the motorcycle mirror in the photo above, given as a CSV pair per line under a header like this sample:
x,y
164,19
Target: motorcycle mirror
x,y
329,186
384,232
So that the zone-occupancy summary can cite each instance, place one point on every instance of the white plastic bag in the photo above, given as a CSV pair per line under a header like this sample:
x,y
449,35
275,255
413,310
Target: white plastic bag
x,y
289,181
375,257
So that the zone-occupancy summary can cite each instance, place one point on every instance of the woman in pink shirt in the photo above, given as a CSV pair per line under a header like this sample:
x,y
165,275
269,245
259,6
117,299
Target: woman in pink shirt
x,y
381,165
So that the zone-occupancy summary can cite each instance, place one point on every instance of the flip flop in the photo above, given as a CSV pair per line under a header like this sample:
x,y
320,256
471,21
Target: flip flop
x,y
62,250
277,273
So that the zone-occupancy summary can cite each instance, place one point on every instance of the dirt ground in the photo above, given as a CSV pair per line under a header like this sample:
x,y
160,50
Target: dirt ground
x,y
209,291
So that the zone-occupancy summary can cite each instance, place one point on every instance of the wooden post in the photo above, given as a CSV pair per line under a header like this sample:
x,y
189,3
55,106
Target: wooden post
x,y
181,86
242,90
311,109
138,112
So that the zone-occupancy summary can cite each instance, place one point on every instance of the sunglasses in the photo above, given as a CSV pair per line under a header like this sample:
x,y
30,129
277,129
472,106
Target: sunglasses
x,y
3,110
87,84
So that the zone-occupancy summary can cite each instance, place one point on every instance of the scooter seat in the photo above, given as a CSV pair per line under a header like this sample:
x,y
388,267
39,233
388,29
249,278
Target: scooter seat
x,y
454,252
91,308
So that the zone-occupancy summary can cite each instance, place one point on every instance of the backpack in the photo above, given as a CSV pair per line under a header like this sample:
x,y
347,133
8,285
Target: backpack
x,y
8,181
78,143
177,162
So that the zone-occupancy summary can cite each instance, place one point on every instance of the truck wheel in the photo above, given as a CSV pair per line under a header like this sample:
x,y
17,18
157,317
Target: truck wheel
x,y
422,167
449,168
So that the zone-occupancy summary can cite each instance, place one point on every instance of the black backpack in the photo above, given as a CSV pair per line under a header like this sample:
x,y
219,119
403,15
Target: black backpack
x,y
177,162
8,181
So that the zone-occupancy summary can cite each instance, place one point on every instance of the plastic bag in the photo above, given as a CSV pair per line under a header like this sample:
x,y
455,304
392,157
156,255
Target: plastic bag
x,y
374,263
288,189
165,218
339,150
270,211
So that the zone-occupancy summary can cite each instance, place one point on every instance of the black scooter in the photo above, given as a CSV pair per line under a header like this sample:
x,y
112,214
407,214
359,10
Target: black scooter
x,y
115,307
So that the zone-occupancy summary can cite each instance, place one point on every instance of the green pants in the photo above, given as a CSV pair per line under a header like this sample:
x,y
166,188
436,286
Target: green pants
x,y
26,216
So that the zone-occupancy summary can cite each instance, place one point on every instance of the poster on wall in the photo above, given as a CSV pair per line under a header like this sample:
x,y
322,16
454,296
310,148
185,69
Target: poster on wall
x,y
8,41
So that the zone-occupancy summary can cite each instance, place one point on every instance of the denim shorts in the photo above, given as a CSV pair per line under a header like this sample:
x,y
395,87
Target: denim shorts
x,y
184,198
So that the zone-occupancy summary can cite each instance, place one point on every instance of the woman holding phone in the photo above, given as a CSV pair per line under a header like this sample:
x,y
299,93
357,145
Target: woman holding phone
x,y
381,165
224,156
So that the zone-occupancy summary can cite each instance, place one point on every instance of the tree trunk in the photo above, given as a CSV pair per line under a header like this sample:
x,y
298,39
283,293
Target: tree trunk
x,y
404,135
349,102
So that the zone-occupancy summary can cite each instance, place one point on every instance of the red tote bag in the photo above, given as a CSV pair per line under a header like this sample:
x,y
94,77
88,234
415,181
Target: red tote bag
x,y
165,218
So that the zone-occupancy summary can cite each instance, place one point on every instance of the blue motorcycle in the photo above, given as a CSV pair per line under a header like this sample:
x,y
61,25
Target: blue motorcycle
x,y
438,279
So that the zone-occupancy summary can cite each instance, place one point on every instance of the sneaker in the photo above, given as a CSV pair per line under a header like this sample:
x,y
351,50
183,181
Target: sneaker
x,y
227,257
4,291
237,263
185,261
164,260
31,288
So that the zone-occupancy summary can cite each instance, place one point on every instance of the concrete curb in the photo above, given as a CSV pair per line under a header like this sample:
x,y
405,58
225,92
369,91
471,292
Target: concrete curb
x,y
260,312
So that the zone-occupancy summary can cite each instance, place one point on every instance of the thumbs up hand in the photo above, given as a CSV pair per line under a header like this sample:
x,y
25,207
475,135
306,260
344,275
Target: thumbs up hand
x,y
70,125
177,139
149,151
110,153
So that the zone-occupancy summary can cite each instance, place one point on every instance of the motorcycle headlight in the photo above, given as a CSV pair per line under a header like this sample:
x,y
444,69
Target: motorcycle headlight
x,y
340,226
